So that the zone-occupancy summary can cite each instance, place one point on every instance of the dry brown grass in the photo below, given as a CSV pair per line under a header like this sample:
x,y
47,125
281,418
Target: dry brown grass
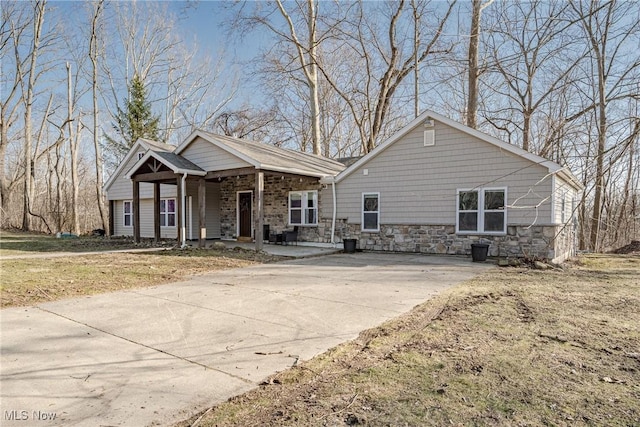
x,y
512,347
34,280
19,243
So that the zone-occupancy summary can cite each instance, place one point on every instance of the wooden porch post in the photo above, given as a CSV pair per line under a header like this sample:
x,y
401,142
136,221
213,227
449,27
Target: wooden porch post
x,y
112,218
202,200
259,208
179,208
136,211
156,211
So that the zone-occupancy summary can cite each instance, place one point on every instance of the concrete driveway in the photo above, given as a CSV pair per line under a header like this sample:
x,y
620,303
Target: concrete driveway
x,y
157,355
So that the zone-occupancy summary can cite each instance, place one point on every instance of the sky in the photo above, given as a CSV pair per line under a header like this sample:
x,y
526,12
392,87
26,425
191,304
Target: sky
x,y
204,21
201,21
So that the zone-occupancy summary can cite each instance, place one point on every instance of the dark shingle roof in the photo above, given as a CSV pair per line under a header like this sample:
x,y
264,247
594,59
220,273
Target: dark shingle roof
x,y
177,161
268,156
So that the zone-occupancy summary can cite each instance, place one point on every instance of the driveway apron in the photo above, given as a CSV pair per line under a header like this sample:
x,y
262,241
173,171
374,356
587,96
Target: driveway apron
x,y
154,356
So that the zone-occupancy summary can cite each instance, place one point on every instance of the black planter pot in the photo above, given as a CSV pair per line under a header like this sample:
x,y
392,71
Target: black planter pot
x,y
350,246
479,252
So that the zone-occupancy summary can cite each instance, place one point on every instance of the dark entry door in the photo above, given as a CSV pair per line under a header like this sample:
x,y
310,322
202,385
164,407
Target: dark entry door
x,y
244,214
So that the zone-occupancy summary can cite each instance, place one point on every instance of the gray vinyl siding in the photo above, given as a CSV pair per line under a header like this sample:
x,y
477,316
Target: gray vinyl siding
x,y
146,221
212,209
146,214
566,191
325,202
418,184
211,158
122,188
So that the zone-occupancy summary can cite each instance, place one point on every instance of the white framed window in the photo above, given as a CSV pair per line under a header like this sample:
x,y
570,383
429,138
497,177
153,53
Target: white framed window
x,y
482,211
167,212
303,208
563,208
127,213
370,212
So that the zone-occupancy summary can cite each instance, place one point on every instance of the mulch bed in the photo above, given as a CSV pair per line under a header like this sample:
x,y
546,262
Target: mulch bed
x,y
631,248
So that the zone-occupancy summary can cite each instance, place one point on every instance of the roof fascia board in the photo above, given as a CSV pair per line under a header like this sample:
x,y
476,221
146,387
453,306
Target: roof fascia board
x,y
570,179
292,171
165,162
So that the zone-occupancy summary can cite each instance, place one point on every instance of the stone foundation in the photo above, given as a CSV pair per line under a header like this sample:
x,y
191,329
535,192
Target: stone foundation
x,y
542,242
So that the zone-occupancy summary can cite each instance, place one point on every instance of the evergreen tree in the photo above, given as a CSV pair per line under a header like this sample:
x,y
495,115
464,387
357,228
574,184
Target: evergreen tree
x,y
134,121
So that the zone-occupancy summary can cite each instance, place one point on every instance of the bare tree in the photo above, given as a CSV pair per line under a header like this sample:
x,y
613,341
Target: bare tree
x,y
185,87
15,22
532,52
245,123
73,149
608,33
472,61
302,59
384,62
94,54
28,89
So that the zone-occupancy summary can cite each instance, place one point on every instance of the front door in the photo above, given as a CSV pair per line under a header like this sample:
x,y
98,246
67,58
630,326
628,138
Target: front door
x,y
244,213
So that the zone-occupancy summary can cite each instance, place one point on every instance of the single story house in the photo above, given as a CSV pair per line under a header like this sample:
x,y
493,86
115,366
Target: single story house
x,y
436,186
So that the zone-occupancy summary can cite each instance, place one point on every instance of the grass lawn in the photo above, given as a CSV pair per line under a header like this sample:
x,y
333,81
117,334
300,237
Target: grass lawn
x,y
14,243
512,347
28,281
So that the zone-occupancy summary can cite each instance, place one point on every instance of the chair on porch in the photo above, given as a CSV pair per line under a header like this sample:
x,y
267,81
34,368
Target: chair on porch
x,y
289,236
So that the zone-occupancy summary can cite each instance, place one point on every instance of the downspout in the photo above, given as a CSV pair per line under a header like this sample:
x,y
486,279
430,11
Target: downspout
x,y
335,209
183,214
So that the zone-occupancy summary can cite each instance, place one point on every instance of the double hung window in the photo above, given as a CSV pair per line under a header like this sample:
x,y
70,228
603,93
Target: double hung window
x,y
482,211
168,213
127,210
303,208
370,211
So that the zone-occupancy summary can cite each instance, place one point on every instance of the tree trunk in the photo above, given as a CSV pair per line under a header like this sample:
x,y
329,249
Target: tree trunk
x,y
28,101
4,188
93,55
472,96
73,146
313,80
602,129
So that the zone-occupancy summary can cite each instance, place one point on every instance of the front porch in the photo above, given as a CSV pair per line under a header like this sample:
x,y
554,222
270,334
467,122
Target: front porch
x,y
225,188
241,204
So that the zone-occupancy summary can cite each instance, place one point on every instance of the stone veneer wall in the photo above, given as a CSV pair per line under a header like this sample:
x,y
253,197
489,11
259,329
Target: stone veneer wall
x,y
545,242
276,201
565,242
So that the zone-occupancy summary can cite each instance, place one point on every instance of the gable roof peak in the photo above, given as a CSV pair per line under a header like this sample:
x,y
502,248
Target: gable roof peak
x,y
552,167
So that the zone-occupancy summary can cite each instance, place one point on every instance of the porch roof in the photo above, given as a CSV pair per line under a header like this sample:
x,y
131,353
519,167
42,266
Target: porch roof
x,y
268,157
176,163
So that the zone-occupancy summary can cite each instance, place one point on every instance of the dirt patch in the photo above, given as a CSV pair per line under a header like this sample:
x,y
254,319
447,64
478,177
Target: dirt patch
x,y
513,347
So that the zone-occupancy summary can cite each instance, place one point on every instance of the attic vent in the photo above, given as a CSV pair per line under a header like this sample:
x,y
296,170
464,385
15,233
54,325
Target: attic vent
x,y
429,137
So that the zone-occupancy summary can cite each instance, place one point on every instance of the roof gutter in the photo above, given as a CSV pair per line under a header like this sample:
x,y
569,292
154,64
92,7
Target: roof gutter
x,y
331,180
183,209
